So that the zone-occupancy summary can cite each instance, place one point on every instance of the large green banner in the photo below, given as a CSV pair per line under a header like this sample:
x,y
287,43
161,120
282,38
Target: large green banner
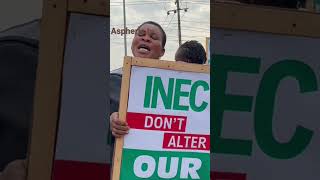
x,y
265,106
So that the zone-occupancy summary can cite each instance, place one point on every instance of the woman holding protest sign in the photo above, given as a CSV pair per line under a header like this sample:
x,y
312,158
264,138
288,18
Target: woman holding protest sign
x,y
189,52
149,42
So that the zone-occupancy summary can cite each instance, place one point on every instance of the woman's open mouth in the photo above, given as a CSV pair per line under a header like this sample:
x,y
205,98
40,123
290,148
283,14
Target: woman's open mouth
x,y
143,48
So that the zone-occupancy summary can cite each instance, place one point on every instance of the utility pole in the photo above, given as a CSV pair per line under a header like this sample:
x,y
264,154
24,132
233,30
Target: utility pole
x,y
124,27
178,11
179,26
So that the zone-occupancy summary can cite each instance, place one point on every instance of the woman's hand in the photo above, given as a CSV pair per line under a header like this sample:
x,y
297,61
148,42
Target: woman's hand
x,y
118,128
16,170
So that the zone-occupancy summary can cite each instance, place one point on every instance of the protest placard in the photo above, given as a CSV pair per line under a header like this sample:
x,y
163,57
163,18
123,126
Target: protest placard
x,y
167,106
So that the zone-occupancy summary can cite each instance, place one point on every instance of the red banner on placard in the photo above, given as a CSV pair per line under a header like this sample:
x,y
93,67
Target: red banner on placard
x,y
186,141
157,122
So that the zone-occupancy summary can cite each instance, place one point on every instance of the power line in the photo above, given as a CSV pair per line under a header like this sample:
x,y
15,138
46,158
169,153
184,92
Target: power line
x,y
192,19
208,2
161,22
156,2
164,20
164,23
143,1
164,8
139,4
200,3
178,12
204,22
188,29
151,1
138,23
183,15
207,29
174,36
170,21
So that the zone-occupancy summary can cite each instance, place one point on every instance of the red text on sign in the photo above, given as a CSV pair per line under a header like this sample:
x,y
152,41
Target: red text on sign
x,y
186,141
157,122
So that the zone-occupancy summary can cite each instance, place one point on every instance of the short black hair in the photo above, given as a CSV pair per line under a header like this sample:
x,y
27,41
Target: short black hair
x,y
191,52
164,36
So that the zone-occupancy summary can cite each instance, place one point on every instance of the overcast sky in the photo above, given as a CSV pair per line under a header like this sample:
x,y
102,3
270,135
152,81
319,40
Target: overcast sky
x,y
195,23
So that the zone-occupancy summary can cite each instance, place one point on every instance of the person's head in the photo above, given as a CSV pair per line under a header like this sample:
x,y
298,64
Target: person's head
x,y
149,41
191,52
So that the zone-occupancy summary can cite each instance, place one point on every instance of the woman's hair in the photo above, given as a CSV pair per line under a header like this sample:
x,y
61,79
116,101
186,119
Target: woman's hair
x,y
164,36
191,52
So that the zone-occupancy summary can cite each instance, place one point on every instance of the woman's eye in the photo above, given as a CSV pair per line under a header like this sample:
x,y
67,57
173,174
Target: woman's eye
x,y
155,37
141,33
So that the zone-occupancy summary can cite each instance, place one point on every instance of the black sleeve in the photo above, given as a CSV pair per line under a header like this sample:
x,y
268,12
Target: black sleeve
x,y
18,63
114,94
115,88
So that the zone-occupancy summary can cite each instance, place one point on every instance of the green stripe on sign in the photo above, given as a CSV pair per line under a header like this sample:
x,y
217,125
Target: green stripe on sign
x,y
140,164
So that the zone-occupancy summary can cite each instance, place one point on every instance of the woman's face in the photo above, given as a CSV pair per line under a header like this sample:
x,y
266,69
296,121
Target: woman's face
x,y
147,42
